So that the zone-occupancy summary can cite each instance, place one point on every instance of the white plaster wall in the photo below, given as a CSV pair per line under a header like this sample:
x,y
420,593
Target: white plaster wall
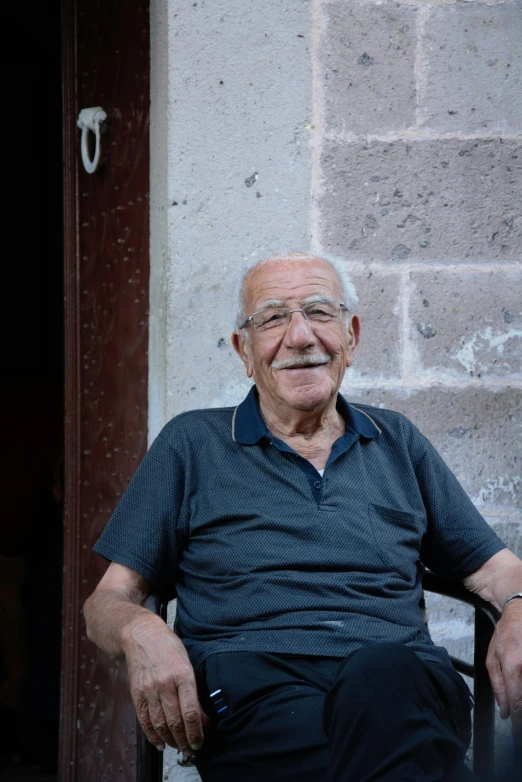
x,y
231,102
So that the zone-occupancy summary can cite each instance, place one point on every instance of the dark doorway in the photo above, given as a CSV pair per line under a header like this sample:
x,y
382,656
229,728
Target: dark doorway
x,y
31,392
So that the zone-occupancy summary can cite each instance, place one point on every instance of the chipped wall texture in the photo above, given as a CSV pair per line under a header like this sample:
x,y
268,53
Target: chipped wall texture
x,y
238,106
386,133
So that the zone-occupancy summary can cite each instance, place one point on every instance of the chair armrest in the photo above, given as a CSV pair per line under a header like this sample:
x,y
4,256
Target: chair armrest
x,y
486,618
457,590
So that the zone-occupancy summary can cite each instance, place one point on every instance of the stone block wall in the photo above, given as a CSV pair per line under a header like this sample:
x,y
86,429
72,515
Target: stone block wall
x,y
417,183
388,134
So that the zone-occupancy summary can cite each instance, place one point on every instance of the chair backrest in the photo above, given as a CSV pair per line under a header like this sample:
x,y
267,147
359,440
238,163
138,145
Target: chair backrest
x,y
486,618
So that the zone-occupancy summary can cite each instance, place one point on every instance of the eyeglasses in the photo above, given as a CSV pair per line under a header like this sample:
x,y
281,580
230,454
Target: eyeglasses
x,y
280,317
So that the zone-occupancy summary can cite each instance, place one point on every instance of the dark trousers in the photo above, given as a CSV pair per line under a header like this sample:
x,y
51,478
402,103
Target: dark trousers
x,y
380,714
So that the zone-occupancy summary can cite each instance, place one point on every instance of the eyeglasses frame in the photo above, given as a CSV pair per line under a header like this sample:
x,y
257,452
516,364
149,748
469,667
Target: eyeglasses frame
x,y
250,319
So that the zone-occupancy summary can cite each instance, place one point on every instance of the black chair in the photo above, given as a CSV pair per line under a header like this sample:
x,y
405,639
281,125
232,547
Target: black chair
x,y
150,761
486,617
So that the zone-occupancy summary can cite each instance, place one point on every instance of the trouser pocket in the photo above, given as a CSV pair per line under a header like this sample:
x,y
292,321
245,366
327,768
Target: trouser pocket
x,y
211,689
216,695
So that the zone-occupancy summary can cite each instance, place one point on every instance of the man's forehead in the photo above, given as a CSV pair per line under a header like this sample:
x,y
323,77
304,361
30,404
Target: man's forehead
x,y
282,279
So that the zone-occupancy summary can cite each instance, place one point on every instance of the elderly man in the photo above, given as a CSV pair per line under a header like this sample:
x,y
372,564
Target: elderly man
x,y
292,529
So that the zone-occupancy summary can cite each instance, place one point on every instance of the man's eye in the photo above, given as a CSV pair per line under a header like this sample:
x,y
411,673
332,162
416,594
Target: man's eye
x,y
319,313
271,318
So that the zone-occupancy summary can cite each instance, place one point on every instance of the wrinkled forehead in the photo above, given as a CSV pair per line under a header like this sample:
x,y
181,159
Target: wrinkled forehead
x,y
292,280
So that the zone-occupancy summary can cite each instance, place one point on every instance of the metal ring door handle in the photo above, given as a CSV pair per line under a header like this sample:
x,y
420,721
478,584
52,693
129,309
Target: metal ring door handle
x,y
91,120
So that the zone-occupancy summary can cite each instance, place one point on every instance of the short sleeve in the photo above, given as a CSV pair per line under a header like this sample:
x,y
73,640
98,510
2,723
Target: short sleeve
x,y
458,539
142,533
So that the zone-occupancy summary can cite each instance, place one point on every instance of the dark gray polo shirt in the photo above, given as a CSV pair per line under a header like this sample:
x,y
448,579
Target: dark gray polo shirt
x,y
265,555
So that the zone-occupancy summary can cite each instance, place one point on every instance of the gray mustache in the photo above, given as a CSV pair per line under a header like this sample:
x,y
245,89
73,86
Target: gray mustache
x,y
300,361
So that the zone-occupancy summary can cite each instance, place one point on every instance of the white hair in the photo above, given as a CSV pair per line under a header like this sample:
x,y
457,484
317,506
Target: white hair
x,y
350,298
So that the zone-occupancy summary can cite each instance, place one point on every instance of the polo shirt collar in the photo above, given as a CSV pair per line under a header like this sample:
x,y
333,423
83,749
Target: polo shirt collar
x,y
358,420
248,427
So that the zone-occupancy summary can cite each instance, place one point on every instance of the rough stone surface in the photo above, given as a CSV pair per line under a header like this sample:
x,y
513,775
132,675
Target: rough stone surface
x,y
173,772
238,170
466,324
474,68
206,372
379,311
367,64
477,432
428,200
509,530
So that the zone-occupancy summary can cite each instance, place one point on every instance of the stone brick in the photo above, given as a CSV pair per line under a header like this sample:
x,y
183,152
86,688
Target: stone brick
x,y
236,147
367,67
466,324
206,371
474,68
435,200
477,432
451,625
510,531
379,309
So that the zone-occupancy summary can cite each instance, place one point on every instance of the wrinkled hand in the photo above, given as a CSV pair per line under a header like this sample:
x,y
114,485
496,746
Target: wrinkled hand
x,y
504,664
163,685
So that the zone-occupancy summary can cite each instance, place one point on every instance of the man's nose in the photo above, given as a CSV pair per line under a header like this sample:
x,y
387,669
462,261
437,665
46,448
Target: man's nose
x,y
299,333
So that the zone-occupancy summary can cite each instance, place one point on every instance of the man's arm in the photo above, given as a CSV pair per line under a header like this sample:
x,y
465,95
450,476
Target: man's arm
x,y
494,581
162,681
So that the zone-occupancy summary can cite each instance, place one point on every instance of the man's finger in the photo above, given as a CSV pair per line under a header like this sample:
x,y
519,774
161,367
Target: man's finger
x,y
162,724
191,712
498,684
175,724
513,678
142,711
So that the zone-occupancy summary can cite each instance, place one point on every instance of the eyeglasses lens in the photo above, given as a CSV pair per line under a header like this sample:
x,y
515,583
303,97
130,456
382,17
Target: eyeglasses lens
x,y
317,312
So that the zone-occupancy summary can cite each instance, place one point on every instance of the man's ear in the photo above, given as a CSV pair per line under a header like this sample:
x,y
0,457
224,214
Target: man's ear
x,y
242,348
353,336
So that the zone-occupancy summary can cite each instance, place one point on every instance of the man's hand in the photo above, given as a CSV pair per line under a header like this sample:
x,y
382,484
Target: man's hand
x,y
163,686
504,664
497,578
162,681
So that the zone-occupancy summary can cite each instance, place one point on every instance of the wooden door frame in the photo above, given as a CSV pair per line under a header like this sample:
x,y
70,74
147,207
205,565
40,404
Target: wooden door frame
x,y
68,756
148,764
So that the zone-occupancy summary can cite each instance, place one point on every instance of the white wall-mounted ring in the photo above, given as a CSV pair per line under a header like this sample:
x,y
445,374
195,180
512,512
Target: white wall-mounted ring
x,y
90,120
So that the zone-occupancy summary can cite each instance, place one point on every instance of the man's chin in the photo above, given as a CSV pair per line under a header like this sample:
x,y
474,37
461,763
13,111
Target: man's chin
x,y
307,394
